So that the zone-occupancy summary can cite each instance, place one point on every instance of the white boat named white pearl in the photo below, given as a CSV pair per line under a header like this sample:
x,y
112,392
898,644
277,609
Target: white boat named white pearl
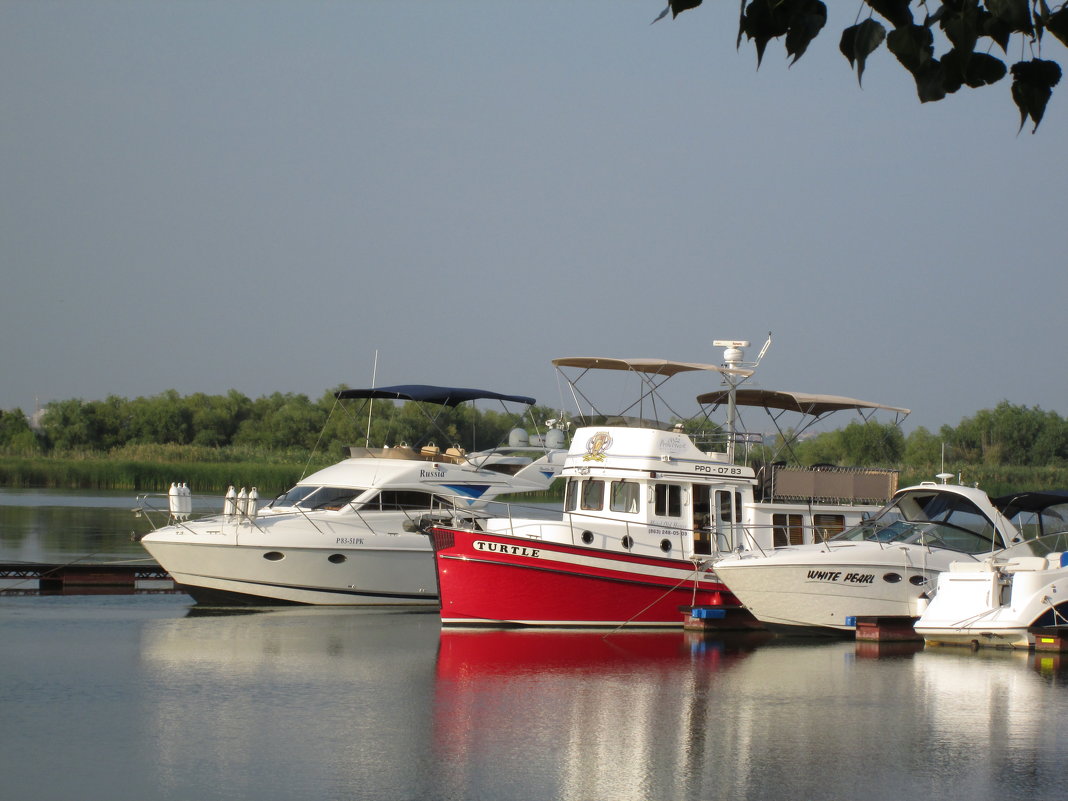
x,y
888,566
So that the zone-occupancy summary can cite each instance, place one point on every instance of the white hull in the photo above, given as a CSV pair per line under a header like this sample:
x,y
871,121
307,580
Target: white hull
x,y
997,603
817,588
227,574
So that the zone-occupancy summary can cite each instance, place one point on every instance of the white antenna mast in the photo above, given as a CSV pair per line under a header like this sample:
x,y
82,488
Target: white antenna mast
x,y
732,358
763,350
371,402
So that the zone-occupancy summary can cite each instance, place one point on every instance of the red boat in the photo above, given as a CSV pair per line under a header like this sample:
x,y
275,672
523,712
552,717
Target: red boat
x,y
646,512
487,578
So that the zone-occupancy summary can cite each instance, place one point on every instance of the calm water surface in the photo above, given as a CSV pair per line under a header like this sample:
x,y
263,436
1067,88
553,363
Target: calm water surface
x,y
147,697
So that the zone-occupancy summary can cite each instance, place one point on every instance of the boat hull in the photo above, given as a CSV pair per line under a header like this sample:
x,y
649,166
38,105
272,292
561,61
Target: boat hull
x,y
488,579
997,605
255,576
826,596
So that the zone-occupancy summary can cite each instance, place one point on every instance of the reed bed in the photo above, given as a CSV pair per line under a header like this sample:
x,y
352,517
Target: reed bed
x,y
152,468
140,476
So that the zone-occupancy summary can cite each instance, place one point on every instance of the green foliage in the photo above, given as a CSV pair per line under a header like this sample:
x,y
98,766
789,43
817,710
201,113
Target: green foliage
x,y
1010,435
944,48
922,449
869,444
16,436
271,441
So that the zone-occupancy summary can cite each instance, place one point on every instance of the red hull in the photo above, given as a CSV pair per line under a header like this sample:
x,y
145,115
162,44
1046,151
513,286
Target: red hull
x,y
497,579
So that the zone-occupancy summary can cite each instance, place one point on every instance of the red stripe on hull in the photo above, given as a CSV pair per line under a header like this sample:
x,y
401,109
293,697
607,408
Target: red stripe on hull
x,y
517,580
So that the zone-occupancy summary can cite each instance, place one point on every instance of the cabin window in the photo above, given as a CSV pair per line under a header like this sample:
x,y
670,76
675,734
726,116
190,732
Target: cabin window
x,y
329,498
827,526
593,495
571,496
667,500
788,529
293,496
624,497
723,501
400,500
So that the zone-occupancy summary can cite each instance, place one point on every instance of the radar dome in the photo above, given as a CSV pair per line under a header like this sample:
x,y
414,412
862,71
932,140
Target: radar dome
x,y
554,438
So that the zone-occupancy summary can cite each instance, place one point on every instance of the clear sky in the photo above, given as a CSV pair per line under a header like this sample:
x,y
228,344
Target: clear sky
x,y
205,195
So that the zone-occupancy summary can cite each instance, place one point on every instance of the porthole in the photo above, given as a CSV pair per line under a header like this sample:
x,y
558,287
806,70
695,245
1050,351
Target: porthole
x,y
336,558
627,542
918,581
891,578
587,538
274,556
665,545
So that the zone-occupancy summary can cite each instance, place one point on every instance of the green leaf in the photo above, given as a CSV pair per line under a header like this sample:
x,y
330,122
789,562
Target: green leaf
x,y
931,82
997,30
913,45
961,25
1057,24
678,6
1032,87
1015,14
860,41
762,21
984,69
806,21
896,11
953,66
973,69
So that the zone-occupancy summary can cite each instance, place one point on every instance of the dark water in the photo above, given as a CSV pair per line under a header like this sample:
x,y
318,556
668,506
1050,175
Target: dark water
x,y
145,697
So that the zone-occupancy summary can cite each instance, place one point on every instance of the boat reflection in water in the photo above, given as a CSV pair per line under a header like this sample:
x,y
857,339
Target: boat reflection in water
x,y
296,702
312,702
605,716
672,715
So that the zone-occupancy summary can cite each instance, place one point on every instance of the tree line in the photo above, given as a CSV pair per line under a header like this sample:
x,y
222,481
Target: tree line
x,y
1009,434
281,422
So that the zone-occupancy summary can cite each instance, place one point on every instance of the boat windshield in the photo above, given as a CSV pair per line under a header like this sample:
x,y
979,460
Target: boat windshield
x,y
936,519
326,498
1035,520
1054,543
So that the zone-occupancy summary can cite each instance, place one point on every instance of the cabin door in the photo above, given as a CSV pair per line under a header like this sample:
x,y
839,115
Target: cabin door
x,y
703,535
726,517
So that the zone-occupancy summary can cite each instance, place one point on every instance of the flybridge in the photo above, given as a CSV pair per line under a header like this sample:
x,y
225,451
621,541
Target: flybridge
x,y
648,450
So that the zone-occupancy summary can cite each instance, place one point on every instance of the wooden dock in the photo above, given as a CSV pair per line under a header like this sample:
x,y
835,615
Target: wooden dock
x,y
80,577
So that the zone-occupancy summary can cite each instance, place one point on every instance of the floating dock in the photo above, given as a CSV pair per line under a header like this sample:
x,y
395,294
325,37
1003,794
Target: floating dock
x,y
80,577
886,629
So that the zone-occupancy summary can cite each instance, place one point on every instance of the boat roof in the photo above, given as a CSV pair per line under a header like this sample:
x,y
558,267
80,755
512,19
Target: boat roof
x,y
1033,501
663,367
803,402
427,393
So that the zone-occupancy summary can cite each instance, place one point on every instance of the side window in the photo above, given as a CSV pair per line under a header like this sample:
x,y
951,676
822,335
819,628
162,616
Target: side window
x,y
593,495
788,529
723,506
329,498
826,526
394,500
571,495
624,497
667,500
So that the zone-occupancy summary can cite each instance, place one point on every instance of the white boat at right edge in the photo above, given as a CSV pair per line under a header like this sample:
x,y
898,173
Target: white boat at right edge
x,y
888,566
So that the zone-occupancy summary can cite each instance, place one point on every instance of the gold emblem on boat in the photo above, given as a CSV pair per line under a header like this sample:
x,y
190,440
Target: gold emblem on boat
x,y
596,447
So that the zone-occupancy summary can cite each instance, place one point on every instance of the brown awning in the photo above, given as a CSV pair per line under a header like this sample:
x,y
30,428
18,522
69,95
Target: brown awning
x,y
653,366
802,402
